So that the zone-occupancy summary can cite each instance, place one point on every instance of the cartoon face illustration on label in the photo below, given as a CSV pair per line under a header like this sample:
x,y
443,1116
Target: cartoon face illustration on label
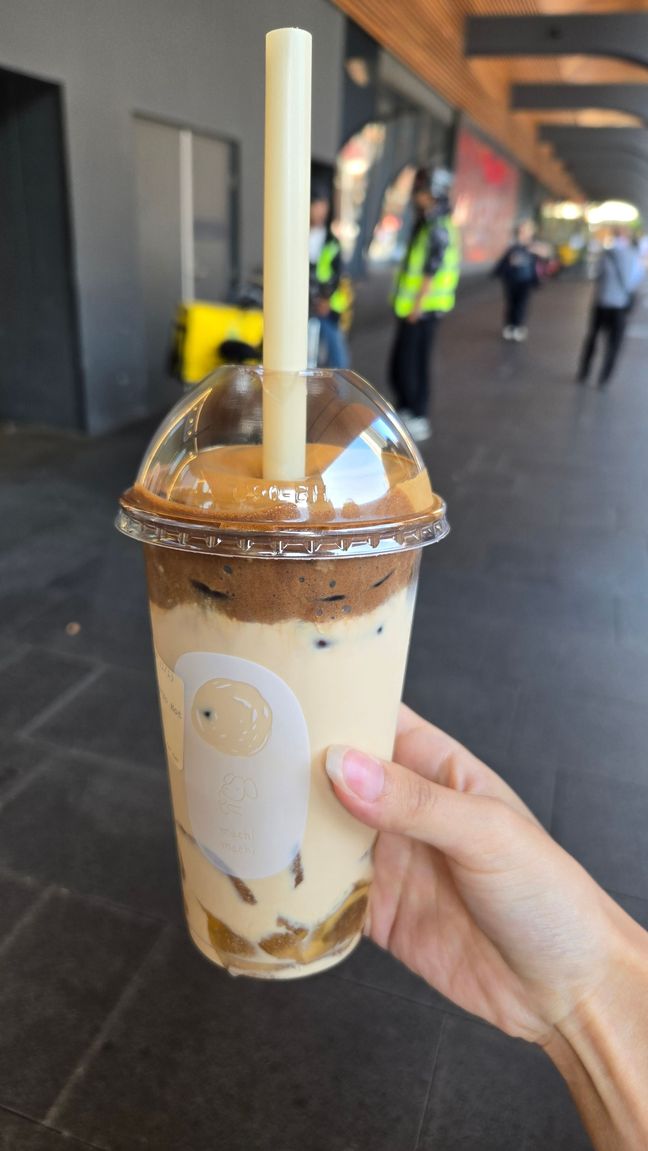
x,y
233,717
246,764
233,793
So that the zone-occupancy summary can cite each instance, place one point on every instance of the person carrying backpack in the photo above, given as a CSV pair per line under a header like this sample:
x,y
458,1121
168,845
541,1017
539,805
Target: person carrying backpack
x,y
518,271
620,273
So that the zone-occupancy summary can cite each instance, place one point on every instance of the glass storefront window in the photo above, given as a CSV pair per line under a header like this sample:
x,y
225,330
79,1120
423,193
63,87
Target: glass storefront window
x,y
354,163
389,237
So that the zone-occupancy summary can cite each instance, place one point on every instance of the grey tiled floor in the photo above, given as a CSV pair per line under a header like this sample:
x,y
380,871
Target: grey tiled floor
x,y
531,645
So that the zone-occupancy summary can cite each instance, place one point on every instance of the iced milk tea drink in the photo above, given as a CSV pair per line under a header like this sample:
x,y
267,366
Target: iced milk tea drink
x,y
281,617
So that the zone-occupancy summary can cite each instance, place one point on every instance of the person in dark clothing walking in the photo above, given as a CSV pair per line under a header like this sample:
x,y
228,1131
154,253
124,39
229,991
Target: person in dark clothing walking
x,y
425,289
619,275
518,271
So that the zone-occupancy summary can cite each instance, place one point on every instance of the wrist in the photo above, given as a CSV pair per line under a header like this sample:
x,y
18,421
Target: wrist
x,y
601,1046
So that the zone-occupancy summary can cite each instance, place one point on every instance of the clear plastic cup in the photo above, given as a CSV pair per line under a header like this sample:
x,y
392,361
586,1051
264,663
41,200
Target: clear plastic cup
x,y
281,617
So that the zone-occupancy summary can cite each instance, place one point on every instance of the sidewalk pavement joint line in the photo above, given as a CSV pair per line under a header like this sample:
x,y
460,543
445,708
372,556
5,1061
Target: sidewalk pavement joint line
x,y
94,660
436,1007
53,1130
18,877
25,919
424,1109
89,661
111,1018
23,781
38,886
125,909
62,700
60,752
14,656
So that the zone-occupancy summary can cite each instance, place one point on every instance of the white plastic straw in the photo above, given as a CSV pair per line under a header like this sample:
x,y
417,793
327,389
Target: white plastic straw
x,y
285,251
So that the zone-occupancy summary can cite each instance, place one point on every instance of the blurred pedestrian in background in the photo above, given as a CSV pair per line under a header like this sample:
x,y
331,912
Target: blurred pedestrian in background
x,y
425,290
518,271
329,294
620,273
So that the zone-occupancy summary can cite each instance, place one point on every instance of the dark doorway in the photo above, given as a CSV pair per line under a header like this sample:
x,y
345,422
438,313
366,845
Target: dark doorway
x,y
39,367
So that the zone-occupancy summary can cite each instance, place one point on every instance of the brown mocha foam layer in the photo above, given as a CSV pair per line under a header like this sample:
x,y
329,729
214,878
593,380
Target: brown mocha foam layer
x,y
266,591
224,485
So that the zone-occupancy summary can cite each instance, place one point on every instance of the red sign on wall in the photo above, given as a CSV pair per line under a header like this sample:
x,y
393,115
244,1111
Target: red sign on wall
x,y
486,199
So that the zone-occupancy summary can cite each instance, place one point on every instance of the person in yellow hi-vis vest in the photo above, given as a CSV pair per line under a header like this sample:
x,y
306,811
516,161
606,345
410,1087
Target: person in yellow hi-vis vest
x,y
329,294
424,290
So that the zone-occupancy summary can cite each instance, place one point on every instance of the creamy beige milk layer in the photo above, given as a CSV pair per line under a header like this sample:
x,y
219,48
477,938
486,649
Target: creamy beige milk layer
x,y
335,634
349,692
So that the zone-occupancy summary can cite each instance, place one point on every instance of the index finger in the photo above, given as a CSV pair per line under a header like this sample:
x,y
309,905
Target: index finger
x,y
434,754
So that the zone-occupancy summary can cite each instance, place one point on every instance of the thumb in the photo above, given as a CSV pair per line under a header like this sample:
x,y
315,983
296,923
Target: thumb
x,y
392,798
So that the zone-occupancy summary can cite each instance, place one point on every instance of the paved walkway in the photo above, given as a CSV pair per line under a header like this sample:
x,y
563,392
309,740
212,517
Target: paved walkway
x,y
531,645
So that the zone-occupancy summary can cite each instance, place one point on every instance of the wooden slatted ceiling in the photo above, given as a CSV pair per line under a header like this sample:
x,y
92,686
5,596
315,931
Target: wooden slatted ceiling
x,y
585,117
565,69
427,35
573,70
563,7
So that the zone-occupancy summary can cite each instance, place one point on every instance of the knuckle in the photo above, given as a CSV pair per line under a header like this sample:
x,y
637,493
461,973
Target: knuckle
x,y
499,827
419,799
504,819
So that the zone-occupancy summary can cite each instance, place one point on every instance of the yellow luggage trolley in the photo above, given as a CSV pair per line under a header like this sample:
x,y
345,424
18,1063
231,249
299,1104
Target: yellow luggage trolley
x,y
203,337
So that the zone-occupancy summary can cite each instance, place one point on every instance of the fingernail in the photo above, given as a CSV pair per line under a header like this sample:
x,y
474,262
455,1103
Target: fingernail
x,y
356,773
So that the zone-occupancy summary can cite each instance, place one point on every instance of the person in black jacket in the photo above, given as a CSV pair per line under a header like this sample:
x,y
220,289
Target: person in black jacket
x,y
518,271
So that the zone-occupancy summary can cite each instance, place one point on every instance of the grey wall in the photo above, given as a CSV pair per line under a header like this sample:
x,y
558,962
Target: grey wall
x,y
360,105
39,370
199,63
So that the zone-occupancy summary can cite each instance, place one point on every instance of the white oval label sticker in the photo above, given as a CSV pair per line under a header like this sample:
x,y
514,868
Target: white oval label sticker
x,y
246,764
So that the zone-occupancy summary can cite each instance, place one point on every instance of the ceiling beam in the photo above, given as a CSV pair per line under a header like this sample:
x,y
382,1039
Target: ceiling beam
x,y
627,187
568,137
611,176
630,98
607,162
635,166
620,34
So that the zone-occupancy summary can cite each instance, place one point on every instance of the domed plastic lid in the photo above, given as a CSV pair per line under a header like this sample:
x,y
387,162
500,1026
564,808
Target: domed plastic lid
x,y
199,487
